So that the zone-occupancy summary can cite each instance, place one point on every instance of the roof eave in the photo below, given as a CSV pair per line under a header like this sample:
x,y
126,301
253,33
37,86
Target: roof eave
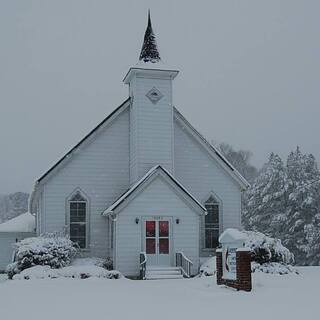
x,y
157,72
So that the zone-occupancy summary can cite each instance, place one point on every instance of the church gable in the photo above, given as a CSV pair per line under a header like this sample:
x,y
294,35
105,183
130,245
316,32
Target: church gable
x,y
87,140
98,165
155,173
204,175
218,159
100,155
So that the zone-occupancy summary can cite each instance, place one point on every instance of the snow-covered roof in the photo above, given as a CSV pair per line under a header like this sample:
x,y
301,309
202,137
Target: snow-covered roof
x,y
213,150
25,222
231,235
123,105
157,69
152,171
160,65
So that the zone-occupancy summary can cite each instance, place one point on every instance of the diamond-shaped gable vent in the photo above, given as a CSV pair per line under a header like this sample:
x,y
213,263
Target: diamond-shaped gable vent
x,y
154,95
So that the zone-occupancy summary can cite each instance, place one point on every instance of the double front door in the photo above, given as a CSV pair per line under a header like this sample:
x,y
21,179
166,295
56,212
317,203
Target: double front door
x,y
157,240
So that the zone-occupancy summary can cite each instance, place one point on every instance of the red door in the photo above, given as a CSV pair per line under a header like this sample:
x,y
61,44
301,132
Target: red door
x,y
157,241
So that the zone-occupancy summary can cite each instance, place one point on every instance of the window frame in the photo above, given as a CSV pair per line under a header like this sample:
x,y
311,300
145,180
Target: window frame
x,y
211,200
71,199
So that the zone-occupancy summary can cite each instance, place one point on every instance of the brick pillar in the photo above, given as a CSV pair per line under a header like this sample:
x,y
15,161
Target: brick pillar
x,y
243,256
219,266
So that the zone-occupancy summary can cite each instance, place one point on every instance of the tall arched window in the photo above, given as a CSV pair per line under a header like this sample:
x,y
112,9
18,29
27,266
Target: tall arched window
x,y
78,219
211,224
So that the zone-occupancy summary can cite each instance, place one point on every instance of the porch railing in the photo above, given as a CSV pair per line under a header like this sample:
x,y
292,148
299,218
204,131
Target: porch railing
x,y
143,265
184,264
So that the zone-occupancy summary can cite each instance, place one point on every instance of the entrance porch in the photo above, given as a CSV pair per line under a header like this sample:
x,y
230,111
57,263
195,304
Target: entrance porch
x,y
156,228
157,260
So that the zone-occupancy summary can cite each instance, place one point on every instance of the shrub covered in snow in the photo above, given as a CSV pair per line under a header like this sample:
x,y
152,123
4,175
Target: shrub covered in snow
x,y
266,249
99,262
268,255
273,268
74,272
51,250
108,263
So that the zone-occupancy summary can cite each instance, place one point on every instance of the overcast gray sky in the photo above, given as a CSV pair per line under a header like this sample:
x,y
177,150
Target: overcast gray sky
x,y
249,73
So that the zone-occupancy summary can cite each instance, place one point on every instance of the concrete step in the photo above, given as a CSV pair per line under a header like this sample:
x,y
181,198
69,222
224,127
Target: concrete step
x,y
159,272
162,268
163,276
163,272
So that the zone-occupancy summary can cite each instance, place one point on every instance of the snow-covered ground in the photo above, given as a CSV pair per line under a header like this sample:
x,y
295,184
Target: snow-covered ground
x,y
3,277
274,297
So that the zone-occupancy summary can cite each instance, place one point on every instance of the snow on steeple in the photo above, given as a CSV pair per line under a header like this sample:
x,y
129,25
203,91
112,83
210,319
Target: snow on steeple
x,y
149,50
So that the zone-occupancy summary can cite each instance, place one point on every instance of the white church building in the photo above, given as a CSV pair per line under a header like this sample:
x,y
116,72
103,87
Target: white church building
x,y
144,187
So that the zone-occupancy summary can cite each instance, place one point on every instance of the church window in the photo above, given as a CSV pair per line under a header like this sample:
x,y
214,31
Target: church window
x,y
78,219
211,224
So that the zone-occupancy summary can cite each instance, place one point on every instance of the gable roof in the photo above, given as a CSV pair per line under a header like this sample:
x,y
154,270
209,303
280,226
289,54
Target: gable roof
x,y
66,156
214,152
152,172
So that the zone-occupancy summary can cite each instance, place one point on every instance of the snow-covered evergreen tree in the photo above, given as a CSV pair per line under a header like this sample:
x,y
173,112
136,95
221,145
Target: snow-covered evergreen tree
x,y
264,205
302,207
284,202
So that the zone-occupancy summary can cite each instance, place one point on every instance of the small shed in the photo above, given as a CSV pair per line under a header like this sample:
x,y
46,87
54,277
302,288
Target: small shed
x,y
11,231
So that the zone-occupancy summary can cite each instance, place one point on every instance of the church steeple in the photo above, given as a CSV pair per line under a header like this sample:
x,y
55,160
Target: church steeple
x,y
151,110
149,50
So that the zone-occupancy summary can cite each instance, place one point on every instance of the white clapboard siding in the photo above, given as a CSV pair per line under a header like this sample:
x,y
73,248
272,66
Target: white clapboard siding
x,y
101,170
157,199
201,175
151,127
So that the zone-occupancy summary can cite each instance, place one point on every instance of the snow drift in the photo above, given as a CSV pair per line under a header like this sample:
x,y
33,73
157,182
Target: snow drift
x,y
73,272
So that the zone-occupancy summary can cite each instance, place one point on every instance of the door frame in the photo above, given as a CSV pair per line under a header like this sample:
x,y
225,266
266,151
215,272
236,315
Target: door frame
x,y
143,236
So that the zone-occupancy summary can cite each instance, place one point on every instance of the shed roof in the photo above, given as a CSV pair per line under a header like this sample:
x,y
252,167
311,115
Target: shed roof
x,y
25,222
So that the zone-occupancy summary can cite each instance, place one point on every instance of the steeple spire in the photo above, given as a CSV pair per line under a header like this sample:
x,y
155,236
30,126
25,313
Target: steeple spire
x,y
149,51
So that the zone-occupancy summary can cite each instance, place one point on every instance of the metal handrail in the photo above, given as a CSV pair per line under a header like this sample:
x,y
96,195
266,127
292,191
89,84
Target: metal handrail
x,y
143,265
184,263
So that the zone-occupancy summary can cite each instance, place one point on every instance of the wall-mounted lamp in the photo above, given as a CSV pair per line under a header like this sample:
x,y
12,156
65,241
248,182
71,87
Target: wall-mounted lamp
x,y
137,220
177,221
